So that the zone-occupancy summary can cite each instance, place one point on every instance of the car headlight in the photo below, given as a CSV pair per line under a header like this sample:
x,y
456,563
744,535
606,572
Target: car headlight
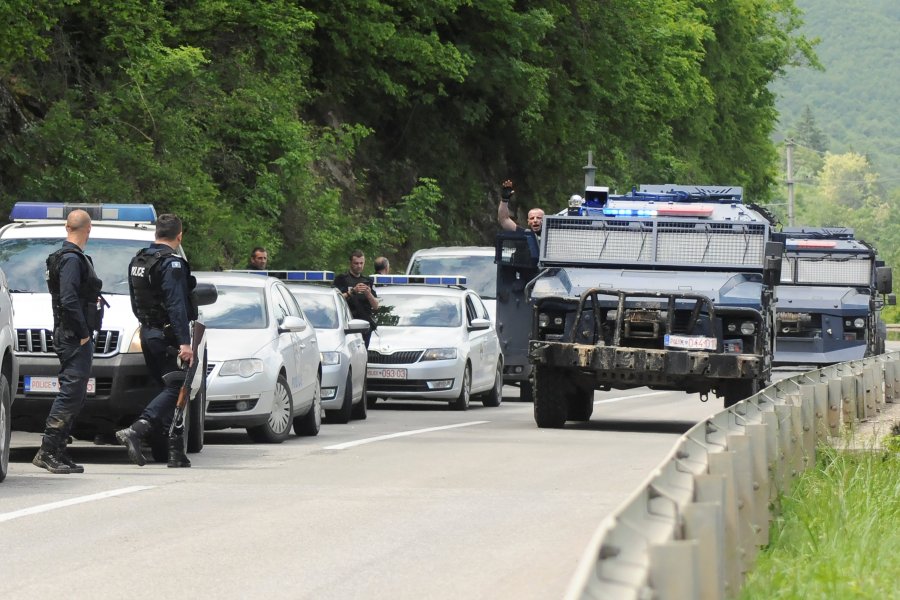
x,y
135,344
859,323
243,367
748,328
331,358
439,354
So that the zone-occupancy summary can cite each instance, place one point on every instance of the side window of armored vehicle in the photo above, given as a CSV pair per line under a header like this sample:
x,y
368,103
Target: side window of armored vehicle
x,y
515,253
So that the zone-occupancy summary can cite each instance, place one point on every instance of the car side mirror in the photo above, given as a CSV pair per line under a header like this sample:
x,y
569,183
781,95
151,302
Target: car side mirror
x,y
292,323
205,293
772,263
479,324
357,326
884,280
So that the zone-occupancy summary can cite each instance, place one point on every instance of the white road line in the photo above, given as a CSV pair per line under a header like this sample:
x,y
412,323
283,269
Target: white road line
x,y
618,398
379,438
71,502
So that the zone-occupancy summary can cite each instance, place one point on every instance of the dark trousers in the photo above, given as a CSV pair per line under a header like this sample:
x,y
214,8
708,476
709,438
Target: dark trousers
x,y
161,356
74,372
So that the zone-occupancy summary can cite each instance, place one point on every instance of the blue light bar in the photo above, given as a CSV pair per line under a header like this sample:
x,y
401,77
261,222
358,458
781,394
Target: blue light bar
x,y
309,276
43,211
629,212
419,279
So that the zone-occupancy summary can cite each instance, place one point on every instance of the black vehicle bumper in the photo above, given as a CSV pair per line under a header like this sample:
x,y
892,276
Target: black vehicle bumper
x,y
124,387
616,366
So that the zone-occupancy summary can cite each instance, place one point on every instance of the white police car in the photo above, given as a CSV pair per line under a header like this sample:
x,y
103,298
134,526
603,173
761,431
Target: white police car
x,y
434,341
120,385
475,263
264,364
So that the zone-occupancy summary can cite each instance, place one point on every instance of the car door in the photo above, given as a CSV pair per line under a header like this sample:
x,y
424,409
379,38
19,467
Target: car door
x,y
287,343
477,349
491,341
307,347
356,347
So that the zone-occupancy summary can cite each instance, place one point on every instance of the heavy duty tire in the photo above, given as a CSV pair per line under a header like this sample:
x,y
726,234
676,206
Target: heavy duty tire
x,y
196,417
550,405
581,404
342,414
465,392
360,408
526,391
5,425
277,428
735,391
310,423
495,396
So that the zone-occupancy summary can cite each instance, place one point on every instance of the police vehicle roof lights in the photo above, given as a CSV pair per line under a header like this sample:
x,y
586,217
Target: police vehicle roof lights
x,y
419,279
651,209
43,211
307,276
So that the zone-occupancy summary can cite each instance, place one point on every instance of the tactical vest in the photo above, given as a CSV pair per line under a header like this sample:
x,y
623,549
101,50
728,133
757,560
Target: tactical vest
x,y
88,292
148,300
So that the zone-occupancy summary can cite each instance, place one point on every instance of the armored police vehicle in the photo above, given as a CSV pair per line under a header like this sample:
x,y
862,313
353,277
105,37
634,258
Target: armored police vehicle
x,y
668,286
120,385
830,297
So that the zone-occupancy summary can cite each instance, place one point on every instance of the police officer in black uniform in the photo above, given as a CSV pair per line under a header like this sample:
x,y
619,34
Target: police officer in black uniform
x,y
161,288
358,291
77,313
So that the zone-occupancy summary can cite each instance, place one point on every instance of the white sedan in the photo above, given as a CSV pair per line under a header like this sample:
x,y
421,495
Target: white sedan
x,y
433,343
342,347
264,364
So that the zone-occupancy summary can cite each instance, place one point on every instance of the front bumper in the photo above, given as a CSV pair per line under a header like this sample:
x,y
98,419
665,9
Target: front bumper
x,y
237,401
124,387
334,380
416,383
816,351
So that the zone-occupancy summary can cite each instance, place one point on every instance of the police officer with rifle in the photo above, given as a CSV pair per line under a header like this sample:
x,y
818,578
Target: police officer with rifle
x,y
77,313
161,288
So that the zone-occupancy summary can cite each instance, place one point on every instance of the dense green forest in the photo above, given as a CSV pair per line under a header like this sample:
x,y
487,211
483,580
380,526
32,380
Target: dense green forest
x,y
842,118
315,127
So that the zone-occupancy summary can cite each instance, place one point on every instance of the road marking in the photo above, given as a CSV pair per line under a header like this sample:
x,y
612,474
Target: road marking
x,y
628,397
379,438
71,502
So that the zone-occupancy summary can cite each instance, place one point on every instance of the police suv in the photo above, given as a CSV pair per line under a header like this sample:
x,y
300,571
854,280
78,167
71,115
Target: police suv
x,y
120,385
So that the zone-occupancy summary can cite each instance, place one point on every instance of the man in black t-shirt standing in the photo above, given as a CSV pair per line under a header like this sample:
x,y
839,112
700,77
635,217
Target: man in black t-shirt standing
x,y
357,289
535,215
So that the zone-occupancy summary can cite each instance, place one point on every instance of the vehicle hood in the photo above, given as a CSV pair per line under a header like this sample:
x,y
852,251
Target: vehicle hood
x,y
229,344
725,288
33,311
798,298
393,339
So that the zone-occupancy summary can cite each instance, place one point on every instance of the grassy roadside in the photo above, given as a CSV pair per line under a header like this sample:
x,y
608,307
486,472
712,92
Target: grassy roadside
x,y
838,535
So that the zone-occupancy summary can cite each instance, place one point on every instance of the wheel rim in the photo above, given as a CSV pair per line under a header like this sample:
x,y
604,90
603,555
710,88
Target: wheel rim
x,y
280,416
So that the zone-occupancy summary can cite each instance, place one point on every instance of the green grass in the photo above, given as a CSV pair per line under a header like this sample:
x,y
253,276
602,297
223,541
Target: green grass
x,y
838,534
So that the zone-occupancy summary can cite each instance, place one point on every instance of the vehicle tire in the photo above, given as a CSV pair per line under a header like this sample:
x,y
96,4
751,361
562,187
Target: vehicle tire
x,y
495,396
310,423
196,417
550,406
465,392
360,408
526,391
581,404
342,414
370,401
5,425
278,426
735,391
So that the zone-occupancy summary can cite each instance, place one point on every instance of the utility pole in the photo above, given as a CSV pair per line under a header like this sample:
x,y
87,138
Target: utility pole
x,y
589,170
789,146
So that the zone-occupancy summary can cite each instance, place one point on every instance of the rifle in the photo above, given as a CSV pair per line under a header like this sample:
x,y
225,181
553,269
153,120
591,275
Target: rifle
x,y
198,329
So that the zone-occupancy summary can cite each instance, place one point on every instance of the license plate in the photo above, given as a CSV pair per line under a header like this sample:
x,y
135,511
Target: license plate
x,y
385,373
50,385
691,342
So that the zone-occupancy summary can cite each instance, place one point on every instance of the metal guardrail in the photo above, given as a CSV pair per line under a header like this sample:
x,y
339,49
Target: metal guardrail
x,y
693,529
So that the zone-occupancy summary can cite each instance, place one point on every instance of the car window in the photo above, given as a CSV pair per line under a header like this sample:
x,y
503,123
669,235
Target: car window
x,y
480,271
293,307
280,305
320,309
480,309
471,313
25,262
416,310
237,308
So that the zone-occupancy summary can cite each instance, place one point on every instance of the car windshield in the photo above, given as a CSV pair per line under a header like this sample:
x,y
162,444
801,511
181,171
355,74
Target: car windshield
x,y
480,272
318,308
416,310
237,308
25,262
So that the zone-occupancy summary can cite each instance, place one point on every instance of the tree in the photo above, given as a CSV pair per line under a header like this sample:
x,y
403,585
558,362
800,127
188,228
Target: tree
x,y
807,133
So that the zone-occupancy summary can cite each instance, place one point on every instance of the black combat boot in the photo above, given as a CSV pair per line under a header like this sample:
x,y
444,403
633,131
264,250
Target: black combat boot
x,y
177,457
131,437
48,457
65,458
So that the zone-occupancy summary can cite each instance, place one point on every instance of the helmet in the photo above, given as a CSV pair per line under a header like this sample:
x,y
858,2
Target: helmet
x,y
575,201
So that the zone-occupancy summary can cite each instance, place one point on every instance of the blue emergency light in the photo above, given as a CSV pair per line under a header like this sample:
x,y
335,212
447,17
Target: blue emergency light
x,y
419,279
629,212
43,211
308,276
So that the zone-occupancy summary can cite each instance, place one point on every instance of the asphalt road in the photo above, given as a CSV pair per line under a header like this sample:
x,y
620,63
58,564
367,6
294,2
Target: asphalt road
x,y
416,502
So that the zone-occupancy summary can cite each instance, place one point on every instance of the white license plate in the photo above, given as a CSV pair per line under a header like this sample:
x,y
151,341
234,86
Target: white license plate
x,y
385,373
50,385
691,342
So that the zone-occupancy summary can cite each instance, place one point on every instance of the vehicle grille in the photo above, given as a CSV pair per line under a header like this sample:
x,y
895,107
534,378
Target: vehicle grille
x,y
40,341
397,358
209,368
227,406
104,387
397,385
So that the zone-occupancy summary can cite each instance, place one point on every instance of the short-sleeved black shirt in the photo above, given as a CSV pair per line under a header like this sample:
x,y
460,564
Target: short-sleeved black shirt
x,y
359,304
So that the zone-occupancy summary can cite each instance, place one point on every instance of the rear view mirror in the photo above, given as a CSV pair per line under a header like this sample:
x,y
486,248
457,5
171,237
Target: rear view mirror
x,y
772,264
357,326
292,323
478,324
884,280
205,293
